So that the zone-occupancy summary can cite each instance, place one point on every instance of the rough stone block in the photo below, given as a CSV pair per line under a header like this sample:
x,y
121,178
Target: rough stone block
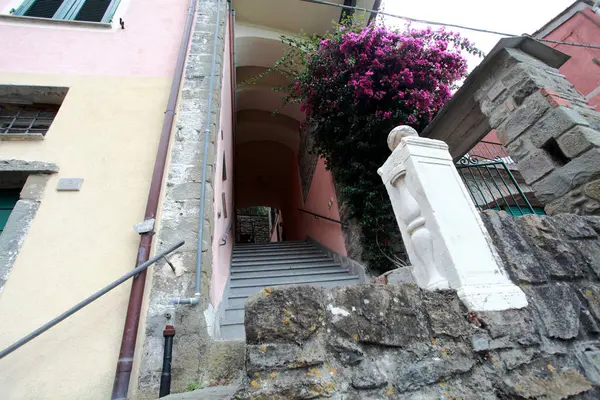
x,y
552,186
557,309
544,378
588,354
536,166
559,258
278,356
441,363
584,200
34,187
514,358
583,169
510,327
445,316
223,362
522,118
389,316
574,226
519,148
284,314
577,140
553,124
368,376
514,247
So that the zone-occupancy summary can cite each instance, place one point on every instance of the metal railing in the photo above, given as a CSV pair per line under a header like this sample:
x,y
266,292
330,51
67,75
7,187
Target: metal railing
x,y
492,186
488,150
87,301
322,216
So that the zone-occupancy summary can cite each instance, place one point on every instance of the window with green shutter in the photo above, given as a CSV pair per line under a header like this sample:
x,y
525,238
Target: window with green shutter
x,y
78,10
8,199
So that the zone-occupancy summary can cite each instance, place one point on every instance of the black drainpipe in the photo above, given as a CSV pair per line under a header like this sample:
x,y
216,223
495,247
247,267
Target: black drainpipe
x,y
165,377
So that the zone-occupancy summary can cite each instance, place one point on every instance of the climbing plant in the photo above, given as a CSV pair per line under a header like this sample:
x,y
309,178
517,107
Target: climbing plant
x,y
354,85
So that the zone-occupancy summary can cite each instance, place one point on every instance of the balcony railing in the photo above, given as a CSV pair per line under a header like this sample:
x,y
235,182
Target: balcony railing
x,y
489,151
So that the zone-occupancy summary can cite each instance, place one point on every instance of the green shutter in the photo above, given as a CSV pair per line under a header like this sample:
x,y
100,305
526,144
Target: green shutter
x,y
8,199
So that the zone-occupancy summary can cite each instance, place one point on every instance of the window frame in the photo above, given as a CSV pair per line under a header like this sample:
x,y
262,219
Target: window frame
x,y
69,9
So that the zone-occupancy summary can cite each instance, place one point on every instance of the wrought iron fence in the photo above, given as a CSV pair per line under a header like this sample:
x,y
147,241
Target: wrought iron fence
x,y
492,186
488,150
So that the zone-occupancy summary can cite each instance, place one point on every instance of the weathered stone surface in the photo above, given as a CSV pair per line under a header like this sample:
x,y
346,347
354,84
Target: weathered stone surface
x,y
554,123
574,227
514,358
536,165
557,309
577,140
255,227
522,118
14,233
509,328
514,247
289,384
283,314
440,363
390,316
543,379
275,356
445,316
588,354
584,200
591,293
33,167
559,258
368,376
346,350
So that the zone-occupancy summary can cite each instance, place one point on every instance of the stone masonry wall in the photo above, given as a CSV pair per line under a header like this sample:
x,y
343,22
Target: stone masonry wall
x,y
549,130
401,342
256,226
180,214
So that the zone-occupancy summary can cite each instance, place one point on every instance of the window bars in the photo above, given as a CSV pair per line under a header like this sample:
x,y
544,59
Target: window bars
x,y
26,119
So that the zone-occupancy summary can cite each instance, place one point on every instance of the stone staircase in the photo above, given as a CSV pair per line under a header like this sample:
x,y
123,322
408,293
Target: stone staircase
x,y
257,266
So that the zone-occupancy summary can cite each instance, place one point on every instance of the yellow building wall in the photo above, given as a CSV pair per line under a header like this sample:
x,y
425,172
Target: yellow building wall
x,y
106,132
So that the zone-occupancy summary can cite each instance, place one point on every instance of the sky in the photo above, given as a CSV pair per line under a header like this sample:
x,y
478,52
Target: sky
x,y
510,16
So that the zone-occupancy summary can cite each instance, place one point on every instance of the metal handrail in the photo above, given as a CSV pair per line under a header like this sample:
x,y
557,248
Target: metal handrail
x,y
322,216
87,301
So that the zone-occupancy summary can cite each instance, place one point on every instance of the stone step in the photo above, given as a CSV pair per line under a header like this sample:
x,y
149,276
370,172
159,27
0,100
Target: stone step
x,y
233,331
276,253
284,267
292,256
243,246
266,274
272,261
325,281
315,276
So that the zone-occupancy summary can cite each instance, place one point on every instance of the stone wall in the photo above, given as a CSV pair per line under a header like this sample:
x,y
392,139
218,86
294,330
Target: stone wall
x,y
253,226
548,128
180,214
401,342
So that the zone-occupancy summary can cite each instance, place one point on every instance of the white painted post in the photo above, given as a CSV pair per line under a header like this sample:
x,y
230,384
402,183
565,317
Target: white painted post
x,y
445,238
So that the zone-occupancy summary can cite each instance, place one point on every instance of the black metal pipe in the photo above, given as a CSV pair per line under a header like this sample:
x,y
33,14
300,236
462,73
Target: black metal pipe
x,y
322,216
165,377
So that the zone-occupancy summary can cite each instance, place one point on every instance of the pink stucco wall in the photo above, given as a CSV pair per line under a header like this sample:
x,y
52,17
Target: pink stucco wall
x,y
223,225
146,47
267,175
583,69
320,195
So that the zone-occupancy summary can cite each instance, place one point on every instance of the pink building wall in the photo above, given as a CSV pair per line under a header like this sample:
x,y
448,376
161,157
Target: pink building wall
x,y
267,174
322,200
583,69
223,224
146,47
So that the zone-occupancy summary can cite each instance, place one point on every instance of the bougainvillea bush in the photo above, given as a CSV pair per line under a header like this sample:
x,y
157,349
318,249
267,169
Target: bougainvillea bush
x,y
354,85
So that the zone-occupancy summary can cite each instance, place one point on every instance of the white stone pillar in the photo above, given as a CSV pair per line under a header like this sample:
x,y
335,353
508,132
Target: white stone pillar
x,y
445,238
